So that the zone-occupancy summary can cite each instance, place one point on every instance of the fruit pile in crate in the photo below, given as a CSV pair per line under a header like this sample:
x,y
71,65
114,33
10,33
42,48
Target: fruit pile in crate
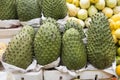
x,y
82,10
59,41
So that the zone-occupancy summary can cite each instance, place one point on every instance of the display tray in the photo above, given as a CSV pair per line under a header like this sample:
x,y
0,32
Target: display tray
x,y
8,33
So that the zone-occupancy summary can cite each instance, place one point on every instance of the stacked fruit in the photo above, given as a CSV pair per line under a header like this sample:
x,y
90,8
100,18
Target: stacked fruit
x,y
115,28
83,9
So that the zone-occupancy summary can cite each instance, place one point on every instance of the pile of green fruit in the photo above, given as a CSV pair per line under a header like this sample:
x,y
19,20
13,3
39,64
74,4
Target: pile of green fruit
x,y
25,10
48,43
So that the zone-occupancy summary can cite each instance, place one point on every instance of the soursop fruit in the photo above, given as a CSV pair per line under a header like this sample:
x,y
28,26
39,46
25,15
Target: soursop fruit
x,y
19,51
101,48
47,43
8,9
73,50
51,20
28,9
56,9
76,25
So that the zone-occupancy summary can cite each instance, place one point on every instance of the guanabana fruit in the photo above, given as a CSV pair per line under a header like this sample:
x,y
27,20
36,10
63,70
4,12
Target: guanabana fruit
x,y
28,9
8,9
73,50
19,50
100,46
51,20
47,43
56,9
76,25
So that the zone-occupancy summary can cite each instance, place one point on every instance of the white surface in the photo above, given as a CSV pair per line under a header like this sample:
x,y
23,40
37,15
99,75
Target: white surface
x,y
6,76
8,33
90,75
29,76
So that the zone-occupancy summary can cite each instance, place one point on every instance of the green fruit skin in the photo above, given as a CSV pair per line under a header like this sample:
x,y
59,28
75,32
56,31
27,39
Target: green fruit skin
x,y
8,9
101,48
19,51
73,52
47,43
28,9
56,9
118,60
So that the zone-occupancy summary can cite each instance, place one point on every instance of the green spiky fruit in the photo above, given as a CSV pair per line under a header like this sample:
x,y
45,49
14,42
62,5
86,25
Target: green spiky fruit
x,y
56,9
47,43
74,53
8,9
76,25
51,20
28,9
101,47
19,51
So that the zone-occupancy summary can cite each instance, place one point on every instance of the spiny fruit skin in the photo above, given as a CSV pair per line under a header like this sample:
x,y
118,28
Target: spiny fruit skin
x,y
8,9
19,51
56,9
47,43
73,52
76,25
101,48
28,9
51,20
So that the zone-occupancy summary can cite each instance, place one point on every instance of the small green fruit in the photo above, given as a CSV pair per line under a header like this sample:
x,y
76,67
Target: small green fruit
x,y
118,51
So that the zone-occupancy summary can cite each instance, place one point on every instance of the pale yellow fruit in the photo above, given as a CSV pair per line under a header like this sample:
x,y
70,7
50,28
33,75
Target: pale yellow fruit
x,y
94,1
72,10
92,10
82,14
118,2
76,3
77,20
116,10
111,3
3,47
115,39
118,70
112,24
100,4
117,33
116,17
69,1
84,4
108,12
118,24
87,22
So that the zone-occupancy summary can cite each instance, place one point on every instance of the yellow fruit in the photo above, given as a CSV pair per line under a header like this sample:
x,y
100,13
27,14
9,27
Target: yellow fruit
x,y
94,1
100,5
76,3
69,1
77,20
118,70
84,4
112,24
117,24
111,3
115,39
108,12
92,10
2,47
116,10
72,10
116,17
117,33
82,14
